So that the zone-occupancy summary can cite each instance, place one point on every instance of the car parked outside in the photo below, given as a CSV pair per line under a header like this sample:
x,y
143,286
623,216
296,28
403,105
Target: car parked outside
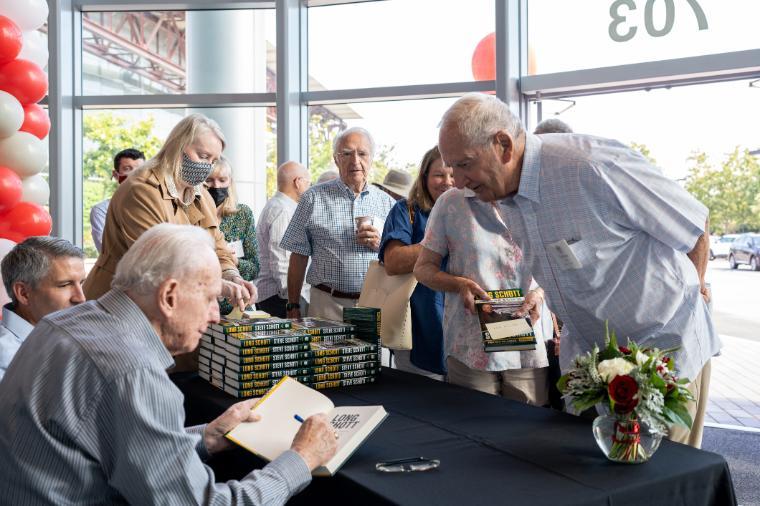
x,y
745,250
720,246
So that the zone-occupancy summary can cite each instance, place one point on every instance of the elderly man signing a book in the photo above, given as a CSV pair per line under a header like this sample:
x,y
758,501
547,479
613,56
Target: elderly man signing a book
x,y
89,415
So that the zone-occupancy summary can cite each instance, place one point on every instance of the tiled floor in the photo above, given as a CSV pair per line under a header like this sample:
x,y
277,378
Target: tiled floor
x,y
735,384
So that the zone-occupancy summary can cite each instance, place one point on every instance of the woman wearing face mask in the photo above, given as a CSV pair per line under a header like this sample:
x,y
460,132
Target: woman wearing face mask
x,y
236,223
169,189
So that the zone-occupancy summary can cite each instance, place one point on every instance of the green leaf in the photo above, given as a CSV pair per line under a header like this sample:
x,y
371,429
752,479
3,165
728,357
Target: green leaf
x,y
586,402
657,381
679,414
562,383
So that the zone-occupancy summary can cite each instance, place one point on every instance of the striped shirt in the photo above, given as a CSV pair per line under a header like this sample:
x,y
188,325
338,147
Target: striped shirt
x,y
323,227
628,229
274,220
13,332
88,415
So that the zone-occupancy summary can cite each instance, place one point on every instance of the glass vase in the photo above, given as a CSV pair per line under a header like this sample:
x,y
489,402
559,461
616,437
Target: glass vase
x,y
625,439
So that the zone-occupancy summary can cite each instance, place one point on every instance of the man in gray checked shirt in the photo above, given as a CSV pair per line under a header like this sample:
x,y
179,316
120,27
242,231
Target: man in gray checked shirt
x,y
88,414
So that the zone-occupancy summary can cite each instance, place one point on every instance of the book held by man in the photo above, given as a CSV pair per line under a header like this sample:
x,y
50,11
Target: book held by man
x,y
288,399
501,330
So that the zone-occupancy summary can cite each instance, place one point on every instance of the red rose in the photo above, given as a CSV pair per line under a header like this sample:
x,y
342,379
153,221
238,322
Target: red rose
x,y
624,350
622,391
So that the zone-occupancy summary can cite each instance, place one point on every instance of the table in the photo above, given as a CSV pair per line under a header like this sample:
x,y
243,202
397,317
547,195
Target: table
x,y
492,451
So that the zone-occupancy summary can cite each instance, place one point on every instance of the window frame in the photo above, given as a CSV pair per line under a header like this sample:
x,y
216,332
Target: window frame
x,y
292,97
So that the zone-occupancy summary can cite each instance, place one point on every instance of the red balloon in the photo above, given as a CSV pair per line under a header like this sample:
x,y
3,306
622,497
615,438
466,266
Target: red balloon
x,y
11,40
484,59
36,121
10,189
25,220
25,80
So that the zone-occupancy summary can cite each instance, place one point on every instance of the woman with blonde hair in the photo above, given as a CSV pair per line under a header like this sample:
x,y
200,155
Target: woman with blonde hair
x,y
399,249
169,189
235,222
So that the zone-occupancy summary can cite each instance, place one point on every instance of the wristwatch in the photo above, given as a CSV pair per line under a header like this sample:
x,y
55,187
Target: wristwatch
x,y
292,305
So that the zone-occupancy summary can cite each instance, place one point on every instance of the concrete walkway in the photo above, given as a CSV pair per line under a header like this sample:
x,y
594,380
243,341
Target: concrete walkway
x,y
734,398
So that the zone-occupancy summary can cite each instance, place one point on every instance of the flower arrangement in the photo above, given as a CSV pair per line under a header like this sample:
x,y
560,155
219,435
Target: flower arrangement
x,y
638,385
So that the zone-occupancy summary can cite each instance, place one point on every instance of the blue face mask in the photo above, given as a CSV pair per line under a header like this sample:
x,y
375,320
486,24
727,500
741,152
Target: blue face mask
x,y
194,173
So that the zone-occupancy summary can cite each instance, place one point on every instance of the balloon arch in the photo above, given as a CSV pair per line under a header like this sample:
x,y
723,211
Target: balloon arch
x,y
24,125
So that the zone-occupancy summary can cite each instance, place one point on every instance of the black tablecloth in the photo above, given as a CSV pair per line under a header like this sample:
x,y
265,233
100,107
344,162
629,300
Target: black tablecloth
x,y
492,451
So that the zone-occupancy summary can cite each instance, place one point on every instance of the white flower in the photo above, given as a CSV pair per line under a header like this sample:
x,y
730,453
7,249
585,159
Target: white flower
x,y
641,358
608,369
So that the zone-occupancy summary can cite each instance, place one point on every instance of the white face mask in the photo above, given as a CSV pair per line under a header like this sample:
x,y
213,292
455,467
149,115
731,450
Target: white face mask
x,y
194,173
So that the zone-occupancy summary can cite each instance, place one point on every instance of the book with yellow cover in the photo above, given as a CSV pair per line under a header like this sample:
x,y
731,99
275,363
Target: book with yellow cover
x,y
273,434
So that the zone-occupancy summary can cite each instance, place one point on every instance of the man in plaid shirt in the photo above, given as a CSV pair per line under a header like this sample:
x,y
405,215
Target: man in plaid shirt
x,y
338,224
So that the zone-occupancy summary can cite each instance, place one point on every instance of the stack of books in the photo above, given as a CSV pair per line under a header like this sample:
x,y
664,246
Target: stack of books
x,y
501,330
246,357
367,322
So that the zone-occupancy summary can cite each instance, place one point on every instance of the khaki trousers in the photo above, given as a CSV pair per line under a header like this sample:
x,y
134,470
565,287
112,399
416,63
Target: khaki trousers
x,y
403,362
530,385
700,389
324,305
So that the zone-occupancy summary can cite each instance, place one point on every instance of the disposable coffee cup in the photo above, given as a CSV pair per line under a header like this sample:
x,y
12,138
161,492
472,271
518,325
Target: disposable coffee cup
x,y
361,220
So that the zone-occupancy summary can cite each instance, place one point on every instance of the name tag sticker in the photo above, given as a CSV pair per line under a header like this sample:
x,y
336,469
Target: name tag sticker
x,y
236,248
562,254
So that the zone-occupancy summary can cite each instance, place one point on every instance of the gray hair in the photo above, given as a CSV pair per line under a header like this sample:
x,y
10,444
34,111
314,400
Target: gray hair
x,y
552,126
29,261
478,117
164,251
354,130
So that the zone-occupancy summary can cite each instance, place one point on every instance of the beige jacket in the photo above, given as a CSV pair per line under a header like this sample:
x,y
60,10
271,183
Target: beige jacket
x,y
140,202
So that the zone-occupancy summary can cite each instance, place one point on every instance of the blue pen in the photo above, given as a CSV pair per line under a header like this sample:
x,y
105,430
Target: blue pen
x,y
298,418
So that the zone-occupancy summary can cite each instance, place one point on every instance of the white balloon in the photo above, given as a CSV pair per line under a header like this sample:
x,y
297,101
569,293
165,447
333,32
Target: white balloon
x,y
27,14
11,115
35,48
6,245
35,189
23,153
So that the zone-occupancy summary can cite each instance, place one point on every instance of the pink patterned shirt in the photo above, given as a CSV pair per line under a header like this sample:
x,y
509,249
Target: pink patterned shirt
x,y
479,247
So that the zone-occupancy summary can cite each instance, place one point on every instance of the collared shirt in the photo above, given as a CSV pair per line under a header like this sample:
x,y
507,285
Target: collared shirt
x,y
13,332
479,248
171,187
88,415
426,304
274,260
98,214
628,229
323,227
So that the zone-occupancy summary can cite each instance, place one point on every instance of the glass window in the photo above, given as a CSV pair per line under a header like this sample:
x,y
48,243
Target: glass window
x,y
155,52
396,42
571,35
403,132
671,125
249,133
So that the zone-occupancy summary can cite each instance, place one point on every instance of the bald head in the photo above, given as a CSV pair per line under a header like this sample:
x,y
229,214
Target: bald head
x,y
293,179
